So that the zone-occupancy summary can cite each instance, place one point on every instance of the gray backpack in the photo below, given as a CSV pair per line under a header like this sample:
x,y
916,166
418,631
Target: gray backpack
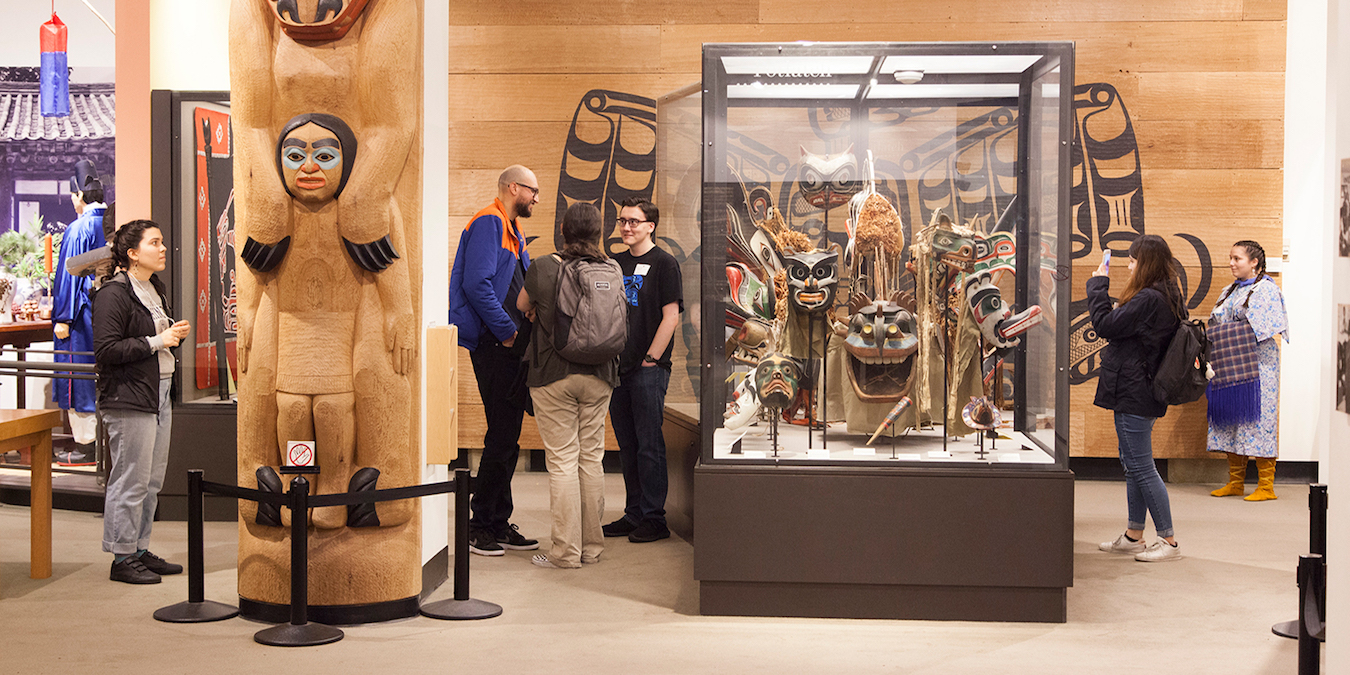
x,y
590,318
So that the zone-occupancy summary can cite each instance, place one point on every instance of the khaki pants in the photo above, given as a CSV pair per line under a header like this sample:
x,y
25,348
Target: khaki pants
x,y
571,418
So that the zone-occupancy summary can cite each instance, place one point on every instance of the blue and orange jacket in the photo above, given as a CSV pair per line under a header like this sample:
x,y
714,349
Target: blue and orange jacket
x,y
480,280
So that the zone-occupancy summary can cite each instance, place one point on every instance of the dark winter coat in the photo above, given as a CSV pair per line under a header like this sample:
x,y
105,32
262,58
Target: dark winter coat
x,y
128,368
1137,335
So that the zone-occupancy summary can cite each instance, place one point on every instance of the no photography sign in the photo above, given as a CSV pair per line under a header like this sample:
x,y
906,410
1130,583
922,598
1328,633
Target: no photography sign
x,y
300,453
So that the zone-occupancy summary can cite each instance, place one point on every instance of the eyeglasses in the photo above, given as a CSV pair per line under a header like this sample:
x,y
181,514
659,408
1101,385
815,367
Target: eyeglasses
x,y
533,190
630,222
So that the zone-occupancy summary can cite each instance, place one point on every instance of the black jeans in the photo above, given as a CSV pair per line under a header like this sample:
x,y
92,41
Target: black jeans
x,y
496,368
637,410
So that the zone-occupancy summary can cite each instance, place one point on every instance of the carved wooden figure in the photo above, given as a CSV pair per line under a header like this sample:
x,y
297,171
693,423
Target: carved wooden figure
x,y
326,106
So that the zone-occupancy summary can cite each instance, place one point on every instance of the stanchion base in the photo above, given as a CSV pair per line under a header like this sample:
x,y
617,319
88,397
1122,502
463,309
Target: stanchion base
x,y
196,612
304,635
461,610
1289,629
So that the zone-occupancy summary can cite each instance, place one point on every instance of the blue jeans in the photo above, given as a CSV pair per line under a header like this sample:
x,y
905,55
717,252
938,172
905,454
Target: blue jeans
x,y
637,410
1144,488
139,444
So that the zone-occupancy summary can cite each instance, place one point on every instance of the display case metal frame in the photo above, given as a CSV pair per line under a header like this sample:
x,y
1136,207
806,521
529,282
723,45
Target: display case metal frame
x,y
717,178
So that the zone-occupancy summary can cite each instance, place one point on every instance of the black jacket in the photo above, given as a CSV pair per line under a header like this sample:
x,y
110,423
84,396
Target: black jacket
x,y
128,369
1137,335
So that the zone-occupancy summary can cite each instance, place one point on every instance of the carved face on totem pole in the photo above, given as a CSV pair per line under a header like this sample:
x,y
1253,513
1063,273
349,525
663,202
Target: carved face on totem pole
x,y
316,20
881,344
812,278
827,181
777,379
314,157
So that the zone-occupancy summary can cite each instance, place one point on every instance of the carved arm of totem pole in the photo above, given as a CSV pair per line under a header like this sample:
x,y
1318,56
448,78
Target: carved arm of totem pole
x,y
265,217
368,211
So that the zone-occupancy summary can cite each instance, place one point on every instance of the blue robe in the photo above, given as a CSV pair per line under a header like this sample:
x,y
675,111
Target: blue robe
x,y
71,306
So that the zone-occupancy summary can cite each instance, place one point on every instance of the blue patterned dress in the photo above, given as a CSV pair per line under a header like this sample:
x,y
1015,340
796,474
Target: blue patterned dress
x,y
1265,312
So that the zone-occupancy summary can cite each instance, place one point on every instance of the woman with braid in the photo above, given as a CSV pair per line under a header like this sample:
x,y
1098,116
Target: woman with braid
x,y
1244,392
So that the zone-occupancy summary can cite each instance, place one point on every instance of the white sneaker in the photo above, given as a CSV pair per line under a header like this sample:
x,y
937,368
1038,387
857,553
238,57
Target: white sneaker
x,y
1160,551
1122,545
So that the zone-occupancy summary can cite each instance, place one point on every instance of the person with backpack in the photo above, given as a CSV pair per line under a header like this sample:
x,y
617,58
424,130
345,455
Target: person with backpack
x,y
1138,330
576,300
655,299
1244,400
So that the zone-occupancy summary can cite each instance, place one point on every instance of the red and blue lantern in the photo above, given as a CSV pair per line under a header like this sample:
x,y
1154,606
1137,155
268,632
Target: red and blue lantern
x,y
54,91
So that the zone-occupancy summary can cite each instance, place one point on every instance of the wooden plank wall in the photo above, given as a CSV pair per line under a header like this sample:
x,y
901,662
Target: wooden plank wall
x,y
1203,82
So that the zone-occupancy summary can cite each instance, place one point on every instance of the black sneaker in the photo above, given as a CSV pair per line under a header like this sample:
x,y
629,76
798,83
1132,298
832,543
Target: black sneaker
x,y
159,565
483,542
516,541
619,528
132,571
649,531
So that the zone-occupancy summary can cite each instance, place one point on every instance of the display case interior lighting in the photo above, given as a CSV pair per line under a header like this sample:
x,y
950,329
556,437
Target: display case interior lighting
x,y
771,90
953,91
821,66
960,63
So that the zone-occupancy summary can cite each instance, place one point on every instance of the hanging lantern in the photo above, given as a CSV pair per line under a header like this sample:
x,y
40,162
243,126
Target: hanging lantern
x,y
55,87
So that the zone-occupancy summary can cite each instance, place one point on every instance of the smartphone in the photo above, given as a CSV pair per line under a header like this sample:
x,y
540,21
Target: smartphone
x,y
1106,260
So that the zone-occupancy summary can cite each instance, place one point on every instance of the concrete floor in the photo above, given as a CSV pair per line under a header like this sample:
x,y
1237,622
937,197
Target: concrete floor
x,y
637,611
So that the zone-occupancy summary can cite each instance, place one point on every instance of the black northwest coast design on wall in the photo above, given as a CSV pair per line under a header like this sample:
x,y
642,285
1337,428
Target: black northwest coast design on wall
x,y
606,168
1107,200
960,172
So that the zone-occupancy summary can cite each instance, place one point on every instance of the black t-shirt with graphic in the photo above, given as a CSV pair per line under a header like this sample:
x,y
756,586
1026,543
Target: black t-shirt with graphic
x,y
650,282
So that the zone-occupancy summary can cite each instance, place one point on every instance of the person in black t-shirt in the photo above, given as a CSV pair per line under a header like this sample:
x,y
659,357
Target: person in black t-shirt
x,y
652,284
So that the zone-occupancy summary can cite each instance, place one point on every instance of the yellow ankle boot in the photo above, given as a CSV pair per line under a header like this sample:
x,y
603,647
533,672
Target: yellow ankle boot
x,y
1265,485
1237,472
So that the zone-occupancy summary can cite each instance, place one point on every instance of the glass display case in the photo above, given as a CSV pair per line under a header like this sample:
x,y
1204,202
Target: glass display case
x,y
881,244
202,241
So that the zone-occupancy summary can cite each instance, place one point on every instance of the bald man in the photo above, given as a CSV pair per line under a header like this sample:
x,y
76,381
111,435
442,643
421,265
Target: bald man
x,y
488,274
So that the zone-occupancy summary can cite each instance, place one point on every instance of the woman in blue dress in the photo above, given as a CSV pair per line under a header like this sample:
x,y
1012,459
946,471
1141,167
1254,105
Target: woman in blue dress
x,y
1256,298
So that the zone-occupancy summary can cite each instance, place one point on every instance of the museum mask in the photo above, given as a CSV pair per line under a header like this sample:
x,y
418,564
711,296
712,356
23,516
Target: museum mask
x,y
749,343
955,250
997,323
751,295
777,378
827,181
881,345
331,18
314,157
743,406
812,278
995,252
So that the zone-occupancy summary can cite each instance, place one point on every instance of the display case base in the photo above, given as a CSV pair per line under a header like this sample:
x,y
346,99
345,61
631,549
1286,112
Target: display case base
x,y
972,544
880,601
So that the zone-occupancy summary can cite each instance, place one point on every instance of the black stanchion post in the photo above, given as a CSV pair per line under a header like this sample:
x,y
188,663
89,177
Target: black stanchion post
x,y
299,632
197,609
461,607
1317,545
1310,569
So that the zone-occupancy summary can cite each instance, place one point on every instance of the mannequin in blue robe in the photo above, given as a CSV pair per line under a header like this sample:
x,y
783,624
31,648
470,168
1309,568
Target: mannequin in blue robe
x,y
72,313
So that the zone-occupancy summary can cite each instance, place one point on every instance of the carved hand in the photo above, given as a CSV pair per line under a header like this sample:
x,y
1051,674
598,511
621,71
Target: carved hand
x,y
62,330
242,352
400,338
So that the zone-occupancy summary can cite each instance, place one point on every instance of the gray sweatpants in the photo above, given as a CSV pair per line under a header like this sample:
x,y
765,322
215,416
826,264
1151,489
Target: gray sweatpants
x,y
139,444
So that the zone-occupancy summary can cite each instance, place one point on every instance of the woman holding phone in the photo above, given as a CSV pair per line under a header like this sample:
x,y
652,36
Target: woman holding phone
x,y
133,333
1138,330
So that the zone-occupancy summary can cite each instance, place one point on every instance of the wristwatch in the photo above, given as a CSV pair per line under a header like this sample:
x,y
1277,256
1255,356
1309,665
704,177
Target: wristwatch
x,y
647,358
